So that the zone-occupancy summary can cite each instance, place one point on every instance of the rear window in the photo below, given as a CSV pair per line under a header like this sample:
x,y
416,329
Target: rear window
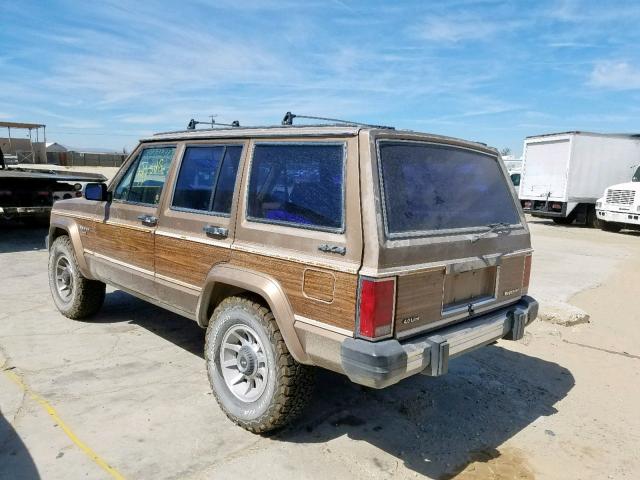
x,y
300,185
428,187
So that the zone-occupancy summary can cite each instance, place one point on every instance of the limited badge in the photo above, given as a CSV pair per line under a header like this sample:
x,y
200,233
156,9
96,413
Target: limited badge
x,y
410,320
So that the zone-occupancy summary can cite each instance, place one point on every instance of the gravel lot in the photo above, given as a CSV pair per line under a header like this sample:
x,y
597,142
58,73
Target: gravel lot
x,y
126,393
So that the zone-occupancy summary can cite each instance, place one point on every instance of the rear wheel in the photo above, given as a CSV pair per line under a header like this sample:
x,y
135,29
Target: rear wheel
x,y
610,226
75,296
254,378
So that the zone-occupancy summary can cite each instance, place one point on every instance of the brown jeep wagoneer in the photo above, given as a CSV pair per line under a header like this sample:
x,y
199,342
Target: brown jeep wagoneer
x,y
373,252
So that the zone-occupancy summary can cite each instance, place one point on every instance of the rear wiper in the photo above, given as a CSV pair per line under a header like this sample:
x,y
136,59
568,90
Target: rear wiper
x,y
499,227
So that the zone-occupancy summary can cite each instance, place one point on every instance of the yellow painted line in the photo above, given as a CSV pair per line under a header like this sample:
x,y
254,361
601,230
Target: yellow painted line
x,y
52,412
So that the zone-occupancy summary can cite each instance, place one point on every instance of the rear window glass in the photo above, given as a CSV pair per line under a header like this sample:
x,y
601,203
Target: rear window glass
x,y
437,187
297,184
207,178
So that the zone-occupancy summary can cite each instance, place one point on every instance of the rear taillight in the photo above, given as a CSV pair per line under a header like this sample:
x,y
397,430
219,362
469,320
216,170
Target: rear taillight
x,y
527,204
376,307
526,275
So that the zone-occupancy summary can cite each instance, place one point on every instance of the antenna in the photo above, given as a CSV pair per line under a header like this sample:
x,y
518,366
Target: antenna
x,y
288,120
194,123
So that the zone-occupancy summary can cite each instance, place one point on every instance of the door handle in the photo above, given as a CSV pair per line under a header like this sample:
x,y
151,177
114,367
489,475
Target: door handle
x,y
214,231
325,247
148,220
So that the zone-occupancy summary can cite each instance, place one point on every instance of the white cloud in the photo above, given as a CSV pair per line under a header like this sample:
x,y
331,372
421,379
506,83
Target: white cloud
x,y
455,29
615,76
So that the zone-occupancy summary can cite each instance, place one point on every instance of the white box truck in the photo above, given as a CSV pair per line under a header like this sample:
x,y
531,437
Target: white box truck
x,y
564,174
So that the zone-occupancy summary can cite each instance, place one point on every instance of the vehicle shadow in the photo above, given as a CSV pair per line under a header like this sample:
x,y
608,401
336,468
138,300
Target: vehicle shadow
x,y
20,237
435,426
15,460
438,426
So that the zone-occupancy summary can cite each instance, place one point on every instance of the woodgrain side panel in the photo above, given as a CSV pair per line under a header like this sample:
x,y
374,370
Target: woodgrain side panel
x,y
87,233
186,260
319,285
340,312
130,245
511,272
419,299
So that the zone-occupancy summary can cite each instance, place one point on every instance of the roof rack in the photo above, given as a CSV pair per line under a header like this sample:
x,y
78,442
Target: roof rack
x,y
288,120
193,123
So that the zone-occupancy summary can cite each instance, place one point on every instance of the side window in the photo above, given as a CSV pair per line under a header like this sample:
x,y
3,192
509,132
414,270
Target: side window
x,y
297,184
207,178
145,178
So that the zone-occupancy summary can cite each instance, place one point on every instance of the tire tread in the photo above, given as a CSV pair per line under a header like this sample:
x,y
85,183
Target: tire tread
x,y
295,380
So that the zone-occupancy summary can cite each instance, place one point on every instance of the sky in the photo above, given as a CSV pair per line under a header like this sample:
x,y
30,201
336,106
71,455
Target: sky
x,y
104,74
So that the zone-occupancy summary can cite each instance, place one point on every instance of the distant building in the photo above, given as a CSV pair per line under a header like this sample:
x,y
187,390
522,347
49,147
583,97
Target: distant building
x,y
56,147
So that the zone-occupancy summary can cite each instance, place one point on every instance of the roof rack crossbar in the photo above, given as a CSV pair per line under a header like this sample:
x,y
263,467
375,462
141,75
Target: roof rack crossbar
x,y
288,120
193,123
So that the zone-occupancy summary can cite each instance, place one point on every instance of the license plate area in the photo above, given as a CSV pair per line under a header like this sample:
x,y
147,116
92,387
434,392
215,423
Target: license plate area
x,y
471,288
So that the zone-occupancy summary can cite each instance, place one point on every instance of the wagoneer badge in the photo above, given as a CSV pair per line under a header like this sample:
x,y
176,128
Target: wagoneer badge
x,y
511,292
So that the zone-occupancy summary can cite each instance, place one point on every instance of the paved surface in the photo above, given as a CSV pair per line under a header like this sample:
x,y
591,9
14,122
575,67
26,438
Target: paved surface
x,y
126,396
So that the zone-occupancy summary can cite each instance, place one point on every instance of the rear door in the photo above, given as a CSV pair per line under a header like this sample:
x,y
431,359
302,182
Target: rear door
x,y
545,169
299,222
123,243
196,227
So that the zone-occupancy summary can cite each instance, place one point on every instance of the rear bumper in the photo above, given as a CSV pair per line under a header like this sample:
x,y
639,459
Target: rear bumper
x,y
380,364
543,208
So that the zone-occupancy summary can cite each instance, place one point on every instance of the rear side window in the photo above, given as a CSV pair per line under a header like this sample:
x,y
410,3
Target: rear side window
x,y
207,179
298,184
145,178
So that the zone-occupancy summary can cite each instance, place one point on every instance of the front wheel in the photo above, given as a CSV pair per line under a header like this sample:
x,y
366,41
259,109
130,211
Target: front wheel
x,y
75,296
254,378
610,226
592,218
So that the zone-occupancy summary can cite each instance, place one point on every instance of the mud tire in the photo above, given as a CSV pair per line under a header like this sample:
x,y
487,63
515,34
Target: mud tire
x,y
86,297
289,383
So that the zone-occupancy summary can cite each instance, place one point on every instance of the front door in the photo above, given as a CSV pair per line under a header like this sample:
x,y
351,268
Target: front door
x,y
125,238
196,226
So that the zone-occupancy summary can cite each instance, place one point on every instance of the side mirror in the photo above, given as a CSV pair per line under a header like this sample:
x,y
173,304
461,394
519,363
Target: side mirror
x,y
97,192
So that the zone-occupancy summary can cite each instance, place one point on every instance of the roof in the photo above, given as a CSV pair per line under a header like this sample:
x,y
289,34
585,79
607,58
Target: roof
x,y
336,130
268,131
21,125
578,132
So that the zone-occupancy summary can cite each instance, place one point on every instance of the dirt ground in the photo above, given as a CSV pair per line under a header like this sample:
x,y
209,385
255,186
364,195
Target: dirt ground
x,y
125,395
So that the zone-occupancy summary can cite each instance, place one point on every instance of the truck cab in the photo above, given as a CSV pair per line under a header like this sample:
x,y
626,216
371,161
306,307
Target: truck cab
x,y
619,207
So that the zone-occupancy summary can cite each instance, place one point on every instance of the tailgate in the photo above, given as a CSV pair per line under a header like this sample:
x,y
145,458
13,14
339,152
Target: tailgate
x,y
427,300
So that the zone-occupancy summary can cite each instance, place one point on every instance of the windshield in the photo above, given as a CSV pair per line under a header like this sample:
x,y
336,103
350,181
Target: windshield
x,y
429,187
